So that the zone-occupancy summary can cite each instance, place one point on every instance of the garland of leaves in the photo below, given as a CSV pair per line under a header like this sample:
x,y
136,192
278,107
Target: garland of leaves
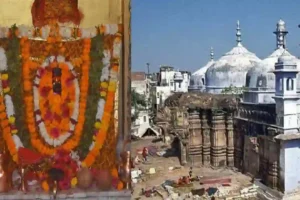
x,y
96,54
16,85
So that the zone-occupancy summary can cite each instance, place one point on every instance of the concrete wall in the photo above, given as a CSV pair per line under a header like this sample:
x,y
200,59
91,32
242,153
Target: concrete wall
x,y
95,12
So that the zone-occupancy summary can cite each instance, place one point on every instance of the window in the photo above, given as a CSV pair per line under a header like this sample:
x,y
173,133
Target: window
x,y
280,84
289,84
172,84
145,118
203,81
179,85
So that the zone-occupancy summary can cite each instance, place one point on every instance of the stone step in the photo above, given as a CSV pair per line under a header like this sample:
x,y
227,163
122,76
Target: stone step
x,y
68,195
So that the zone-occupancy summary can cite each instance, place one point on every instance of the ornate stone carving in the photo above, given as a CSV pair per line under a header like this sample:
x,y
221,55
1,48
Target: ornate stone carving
x,y
206,138
195,138
218,146
230,140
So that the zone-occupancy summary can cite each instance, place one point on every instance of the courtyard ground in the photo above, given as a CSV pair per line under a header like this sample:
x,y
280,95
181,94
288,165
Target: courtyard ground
x,y
162,173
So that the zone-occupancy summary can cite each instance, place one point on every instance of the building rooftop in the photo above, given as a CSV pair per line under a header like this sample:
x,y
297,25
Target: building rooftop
x,y
202,100
138,76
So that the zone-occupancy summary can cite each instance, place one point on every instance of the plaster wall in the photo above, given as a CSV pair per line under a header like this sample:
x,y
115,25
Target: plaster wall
x,y
168,76
159,94
140,87
266,98
289,165
95,12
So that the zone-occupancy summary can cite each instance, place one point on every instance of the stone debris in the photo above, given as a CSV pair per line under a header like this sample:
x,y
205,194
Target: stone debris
x,y
174,168
152,171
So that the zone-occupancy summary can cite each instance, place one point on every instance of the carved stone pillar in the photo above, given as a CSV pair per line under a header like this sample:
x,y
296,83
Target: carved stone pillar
x,y
205,138
164,127
195,138
238,145
230,140
183,154
218,140
272,175
263,161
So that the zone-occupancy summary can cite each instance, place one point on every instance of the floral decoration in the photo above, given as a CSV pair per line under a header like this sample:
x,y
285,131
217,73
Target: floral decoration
x,y
7,113
107,89
56,115
55,122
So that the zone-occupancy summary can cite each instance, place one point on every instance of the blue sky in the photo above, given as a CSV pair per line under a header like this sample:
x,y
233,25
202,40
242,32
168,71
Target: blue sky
x,y
180,32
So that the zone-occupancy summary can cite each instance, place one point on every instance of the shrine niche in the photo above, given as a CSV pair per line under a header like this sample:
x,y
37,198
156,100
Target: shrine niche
x,y
58,88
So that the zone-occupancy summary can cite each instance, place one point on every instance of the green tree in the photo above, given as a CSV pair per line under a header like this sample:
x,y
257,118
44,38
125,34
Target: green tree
x,y
138,102
234,90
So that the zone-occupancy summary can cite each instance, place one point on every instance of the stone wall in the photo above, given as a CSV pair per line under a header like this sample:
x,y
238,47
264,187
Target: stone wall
x,y
210,139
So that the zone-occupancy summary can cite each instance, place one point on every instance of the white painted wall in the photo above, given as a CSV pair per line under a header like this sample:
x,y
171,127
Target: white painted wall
x,y
289,162
139,86
159,94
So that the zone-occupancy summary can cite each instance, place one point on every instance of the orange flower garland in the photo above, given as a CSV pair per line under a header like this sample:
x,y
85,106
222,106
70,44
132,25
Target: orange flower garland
x,y
28,98
107,115
4,123
51,104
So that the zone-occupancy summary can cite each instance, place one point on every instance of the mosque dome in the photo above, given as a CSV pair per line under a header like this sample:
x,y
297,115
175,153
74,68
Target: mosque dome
x,y
230,69
197,81
260,77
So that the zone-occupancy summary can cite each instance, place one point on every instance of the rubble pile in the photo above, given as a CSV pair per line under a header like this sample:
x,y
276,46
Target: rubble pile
x,y
157,176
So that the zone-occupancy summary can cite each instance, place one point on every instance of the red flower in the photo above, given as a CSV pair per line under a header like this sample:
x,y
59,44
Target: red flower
x,y
57,117
69,82
65,110
4,83
41,71
115,182
55,132
64,184
44,91
48,116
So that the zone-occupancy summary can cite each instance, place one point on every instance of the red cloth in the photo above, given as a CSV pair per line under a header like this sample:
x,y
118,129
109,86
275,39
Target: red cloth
x,y
145,152
68,13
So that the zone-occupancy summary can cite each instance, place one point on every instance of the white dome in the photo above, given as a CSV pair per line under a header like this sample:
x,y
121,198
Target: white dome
x,y
202,70
261,75
230,69
198,78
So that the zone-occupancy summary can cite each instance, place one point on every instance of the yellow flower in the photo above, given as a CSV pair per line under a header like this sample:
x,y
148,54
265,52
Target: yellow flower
x,y
102,93
112,86
6,90
15,131
12,119
74,182
104,84
94,137
97,125
4,76
83,164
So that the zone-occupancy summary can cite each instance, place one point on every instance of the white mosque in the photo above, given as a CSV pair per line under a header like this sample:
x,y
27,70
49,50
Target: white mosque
x,y
241,68
269,109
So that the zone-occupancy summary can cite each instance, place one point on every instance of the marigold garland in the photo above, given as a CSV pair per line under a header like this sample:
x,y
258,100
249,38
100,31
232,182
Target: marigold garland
x,y
107,91
110,89
28,65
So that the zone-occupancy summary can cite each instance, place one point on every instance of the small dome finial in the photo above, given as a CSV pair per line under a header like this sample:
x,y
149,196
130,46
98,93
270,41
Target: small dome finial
x,y
238,34
211,53
280,34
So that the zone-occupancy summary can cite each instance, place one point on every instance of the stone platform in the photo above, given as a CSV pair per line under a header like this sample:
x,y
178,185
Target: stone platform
x,y
266,193
68,195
